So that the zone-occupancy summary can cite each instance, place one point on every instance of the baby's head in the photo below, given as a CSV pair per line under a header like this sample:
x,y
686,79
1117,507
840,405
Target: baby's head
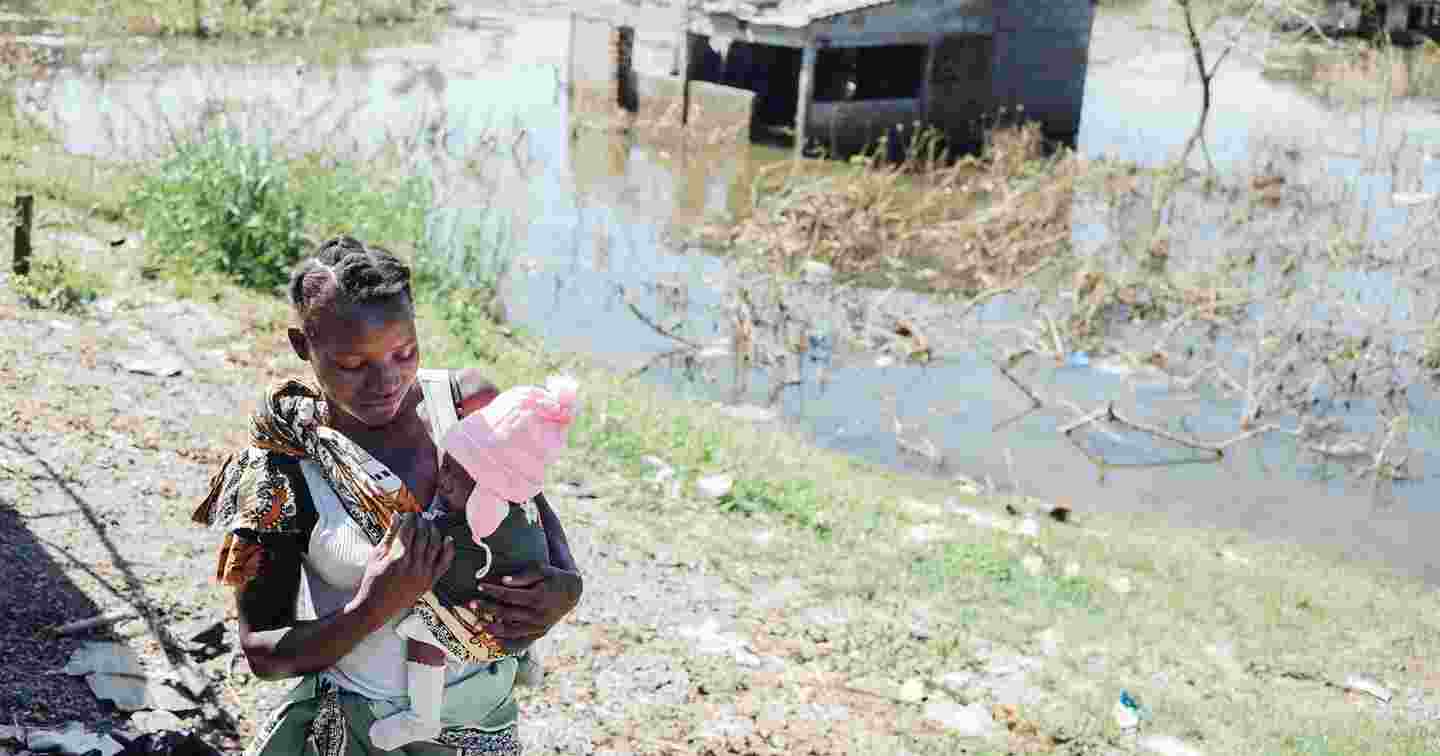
x,y
499,454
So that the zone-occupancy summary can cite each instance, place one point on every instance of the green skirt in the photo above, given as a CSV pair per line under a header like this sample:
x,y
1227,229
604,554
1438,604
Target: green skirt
x,y
319,719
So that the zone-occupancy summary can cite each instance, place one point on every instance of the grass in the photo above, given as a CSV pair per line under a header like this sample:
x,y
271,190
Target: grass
x,y
54,283
244,18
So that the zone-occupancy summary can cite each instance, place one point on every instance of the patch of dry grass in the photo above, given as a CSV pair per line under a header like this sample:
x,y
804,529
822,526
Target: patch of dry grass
x,y
982,221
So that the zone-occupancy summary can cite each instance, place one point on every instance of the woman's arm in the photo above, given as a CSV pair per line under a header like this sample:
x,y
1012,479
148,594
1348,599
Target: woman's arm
x,y
400,570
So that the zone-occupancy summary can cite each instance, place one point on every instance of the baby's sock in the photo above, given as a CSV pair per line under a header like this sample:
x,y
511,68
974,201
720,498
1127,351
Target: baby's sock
x,y
422,720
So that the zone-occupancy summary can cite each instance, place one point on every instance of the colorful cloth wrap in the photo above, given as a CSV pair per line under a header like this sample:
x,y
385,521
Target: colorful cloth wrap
x,y
251,501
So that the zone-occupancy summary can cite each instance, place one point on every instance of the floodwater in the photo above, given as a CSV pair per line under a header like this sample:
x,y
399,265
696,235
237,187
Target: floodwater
x,y
591,213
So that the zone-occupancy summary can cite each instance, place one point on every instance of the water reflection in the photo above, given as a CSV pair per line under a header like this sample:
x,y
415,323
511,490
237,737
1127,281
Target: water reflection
x,y
592,212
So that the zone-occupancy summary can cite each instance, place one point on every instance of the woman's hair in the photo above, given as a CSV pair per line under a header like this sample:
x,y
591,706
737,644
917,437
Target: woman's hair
x,y
360,273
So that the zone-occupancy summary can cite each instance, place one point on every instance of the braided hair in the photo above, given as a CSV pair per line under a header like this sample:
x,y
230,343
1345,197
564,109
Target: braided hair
x,y
358,272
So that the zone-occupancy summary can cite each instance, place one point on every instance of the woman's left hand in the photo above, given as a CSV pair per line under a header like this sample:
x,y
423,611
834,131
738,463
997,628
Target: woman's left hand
x,y
528,604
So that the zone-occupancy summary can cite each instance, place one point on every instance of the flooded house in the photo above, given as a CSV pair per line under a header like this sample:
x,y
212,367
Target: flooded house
x,y
836,75
1405,19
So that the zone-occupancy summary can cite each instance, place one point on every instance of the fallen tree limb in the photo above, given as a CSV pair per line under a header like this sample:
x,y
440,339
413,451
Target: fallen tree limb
x,y
656,327
99,620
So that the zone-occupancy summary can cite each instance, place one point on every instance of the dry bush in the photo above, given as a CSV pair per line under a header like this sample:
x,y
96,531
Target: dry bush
x,y
978,221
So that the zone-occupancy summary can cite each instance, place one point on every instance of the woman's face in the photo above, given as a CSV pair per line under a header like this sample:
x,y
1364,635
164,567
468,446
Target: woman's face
x,y
365,357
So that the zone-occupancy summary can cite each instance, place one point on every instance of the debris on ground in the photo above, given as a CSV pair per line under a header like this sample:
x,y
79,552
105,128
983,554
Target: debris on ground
x,y
114,673
74,740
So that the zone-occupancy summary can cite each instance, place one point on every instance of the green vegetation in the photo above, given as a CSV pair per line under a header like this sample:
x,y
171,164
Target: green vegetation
x,y
226,206
53,284
265,18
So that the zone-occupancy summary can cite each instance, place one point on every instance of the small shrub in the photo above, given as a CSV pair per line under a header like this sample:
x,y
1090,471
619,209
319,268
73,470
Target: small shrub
x,y
53,284
999,573
221,204
796,500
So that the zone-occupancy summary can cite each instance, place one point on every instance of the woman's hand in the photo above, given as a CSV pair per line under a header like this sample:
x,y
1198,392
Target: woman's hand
x,y
403,566
527,605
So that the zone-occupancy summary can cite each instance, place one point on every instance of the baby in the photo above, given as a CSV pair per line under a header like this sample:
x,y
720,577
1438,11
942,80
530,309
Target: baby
x,y
493,457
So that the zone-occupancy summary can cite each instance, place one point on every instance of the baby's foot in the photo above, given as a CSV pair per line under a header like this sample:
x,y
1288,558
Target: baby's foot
x,y
402,728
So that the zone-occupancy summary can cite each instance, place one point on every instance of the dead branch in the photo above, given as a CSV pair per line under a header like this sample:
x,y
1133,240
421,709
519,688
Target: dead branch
x,y
100,620
987,295
656,327
1035,401
656,359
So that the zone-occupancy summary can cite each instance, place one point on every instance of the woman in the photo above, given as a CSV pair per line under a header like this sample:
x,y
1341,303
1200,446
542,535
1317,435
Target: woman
x,y
322,539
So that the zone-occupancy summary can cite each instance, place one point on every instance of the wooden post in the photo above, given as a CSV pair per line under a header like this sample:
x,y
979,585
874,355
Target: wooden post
x,y
570,65
623,39
807,86
24,217
685,70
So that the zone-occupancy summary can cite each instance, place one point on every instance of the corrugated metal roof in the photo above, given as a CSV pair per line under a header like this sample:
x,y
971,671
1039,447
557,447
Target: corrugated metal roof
x,y
790,13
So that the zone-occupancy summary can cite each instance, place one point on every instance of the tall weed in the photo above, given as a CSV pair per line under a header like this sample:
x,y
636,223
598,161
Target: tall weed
x,y
225,205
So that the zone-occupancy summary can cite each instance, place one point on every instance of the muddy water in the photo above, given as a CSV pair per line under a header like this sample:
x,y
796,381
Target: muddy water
x,y
589,212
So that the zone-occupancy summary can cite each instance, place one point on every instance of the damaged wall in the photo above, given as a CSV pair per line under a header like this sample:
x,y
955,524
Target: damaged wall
x,y
1042,51
606,86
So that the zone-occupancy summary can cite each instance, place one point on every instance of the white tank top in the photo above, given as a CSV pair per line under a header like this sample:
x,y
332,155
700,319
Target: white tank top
x,y
330,576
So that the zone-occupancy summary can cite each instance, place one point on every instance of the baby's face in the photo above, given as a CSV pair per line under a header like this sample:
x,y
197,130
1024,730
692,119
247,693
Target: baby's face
x,y
454,484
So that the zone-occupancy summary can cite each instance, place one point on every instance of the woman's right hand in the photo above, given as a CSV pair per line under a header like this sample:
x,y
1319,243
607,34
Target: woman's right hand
x,y
404,565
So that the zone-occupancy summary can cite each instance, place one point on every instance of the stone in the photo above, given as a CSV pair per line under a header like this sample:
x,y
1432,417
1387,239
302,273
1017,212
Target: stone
x,y
913,691
747,659
729,726
1050,641
1365,685
1122,585
74,740
1168,745
921,508
130,693
927,533
708,638
973,721
155,721
1028,528
750,413
816,272
715,486
1072,570
968,486
105,658
159,365
1231,556
1034,565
